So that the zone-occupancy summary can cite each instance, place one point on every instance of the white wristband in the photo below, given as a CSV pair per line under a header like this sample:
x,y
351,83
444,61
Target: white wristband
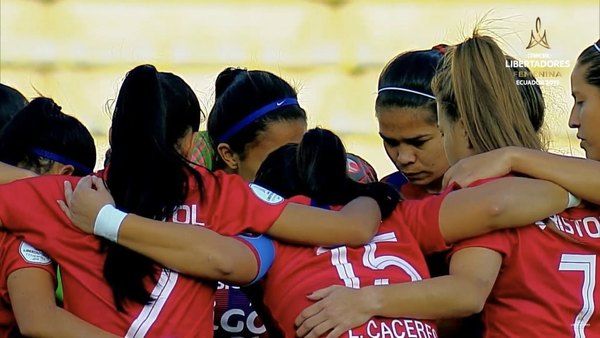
x,y
108,222
573,201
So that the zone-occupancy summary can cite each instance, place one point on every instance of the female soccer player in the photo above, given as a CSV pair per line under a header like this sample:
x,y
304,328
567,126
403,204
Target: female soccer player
x,y
406,111
125,293
255,112
576,174
43,139
505,273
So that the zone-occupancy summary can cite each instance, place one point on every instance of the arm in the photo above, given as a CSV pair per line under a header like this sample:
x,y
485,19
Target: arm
x,y
503,203
577,175
32,296
354,225
207,254
473,272
9,173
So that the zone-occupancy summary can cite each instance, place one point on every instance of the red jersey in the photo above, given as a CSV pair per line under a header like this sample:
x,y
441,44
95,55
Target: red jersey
x,y
14,255
547,282
183,305
393,256
411,191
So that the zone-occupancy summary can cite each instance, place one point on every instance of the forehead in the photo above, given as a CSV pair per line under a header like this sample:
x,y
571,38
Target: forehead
x,y
405,122
578,83
278,133
577,76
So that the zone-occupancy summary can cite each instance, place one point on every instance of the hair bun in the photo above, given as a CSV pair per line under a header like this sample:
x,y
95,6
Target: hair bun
x,y
226,78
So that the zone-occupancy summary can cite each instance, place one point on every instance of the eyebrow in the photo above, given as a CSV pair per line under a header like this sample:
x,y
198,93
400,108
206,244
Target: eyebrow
x,y
408,139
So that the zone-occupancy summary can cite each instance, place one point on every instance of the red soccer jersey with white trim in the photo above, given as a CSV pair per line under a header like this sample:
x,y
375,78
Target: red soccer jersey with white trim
x,y
548,282
15,255
184,305
393,256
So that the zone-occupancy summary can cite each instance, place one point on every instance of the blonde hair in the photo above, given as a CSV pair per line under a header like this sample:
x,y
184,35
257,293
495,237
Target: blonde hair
x,y
473,84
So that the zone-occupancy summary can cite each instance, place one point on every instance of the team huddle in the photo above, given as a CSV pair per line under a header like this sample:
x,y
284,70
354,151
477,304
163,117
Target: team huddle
x,y
258,227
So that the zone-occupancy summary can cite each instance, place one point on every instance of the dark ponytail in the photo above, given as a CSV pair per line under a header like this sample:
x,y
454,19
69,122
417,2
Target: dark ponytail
x,y
146,174
322,164
316,168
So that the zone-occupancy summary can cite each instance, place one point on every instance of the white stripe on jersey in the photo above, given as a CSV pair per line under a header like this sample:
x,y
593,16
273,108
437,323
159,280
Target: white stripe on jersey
x,y
142,324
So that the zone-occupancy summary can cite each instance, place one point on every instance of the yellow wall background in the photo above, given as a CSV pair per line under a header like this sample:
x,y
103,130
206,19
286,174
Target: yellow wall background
x,y
78,51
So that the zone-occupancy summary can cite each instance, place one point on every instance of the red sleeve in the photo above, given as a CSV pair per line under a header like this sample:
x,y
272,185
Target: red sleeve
x,y
29,208
19,255
236,206
500,241
422,218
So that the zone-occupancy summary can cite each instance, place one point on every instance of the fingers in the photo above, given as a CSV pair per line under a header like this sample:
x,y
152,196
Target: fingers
x,y
68,194
321,293
320,330
99,184
63,206
307,313
85,182
311,326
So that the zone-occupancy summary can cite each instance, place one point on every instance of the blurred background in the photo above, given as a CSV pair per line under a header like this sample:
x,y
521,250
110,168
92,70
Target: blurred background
x,y
77,52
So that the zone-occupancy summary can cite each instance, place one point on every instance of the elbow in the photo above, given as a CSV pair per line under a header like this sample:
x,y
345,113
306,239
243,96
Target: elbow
x,y
469,305
225,269
221,265
495,210
361,236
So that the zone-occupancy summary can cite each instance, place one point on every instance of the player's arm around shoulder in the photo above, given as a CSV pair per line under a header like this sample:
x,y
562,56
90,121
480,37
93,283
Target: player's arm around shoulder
x,y
498,204
353,225
9,173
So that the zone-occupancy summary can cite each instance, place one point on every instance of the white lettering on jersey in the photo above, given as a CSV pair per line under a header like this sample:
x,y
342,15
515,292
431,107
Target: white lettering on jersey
x,y
265,194
33,255
586,227
161,292
397,328
187,214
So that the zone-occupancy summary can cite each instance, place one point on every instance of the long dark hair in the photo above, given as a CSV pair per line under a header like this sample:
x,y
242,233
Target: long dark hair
x,y
316,168
146,174
41,134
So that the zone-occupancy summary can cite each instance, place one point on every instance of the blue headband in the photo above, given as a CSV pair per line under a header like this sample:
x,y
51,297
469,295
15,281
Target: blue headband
x,y
255,116
59,158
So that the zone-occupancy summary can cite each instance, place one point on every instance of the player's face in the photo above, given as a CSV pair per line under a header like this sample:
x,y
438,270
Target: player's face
x,y
455,140
585,114
276,134
413,142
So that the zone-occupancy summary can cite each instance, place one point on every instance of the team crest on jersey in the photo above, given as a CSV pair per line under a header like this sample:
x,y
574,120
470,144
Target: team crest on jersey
x,y
265,194
33,255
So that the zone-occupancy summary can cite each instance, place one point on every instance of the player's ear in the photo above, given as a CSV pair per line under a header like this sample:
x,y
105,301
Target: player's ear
x,y
230,158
